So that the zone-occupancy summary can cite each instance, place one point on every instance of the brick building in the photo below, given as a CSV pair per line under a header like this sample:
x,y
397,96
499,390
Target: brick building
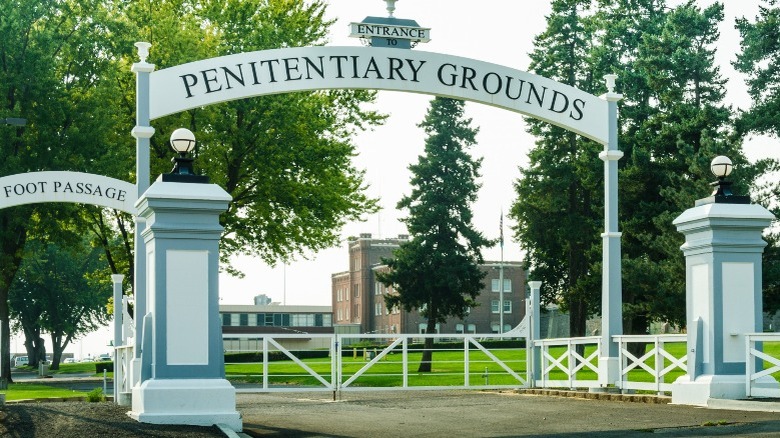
x,y
358,299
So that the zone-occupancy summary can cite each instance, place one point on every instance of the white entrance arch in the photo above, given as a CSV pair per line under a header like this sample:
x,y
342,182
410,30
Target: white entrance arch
x,y
244,75
75,187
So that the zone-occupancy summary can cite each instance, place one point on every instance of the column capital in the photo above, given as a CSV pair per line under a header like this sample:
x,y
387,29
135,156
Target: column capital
x,y
142,132
142,67
611,155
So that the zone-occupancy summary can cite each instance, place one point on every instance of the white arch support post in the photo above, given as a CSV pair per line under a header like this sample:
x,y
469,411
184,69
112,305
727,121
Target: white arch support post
x,y
611,276
142,133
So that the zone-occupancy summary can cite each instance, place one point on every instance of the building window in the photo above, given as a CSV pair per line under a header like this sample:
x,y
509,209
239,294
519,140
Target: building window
x,y
234,319
459,329
422,327
507,306
243,319
507,285
378,309
226,319
494,328
472,328
356,288
340,314
327,320
494,306
507,327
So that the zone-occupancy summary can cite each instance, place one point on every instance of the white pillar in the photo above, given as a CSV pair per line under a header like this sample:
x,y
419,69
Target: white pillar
x,y
183,335
611,276
142,133
117,282
534,333
723,247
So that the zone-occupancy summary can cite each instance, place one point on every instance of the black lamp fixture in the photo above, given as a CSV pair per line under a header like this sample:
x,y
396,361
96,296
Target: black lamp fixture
x,y
183,142
721,167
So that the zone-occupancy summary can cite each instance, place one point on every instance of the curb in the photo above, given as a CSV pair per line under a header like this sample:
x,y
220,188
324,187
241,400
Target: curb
x,y
631,398
54,400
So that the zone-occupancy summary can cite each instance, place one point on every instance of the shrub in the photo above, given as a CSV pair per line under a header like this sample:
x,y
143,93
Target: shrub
x,y
100,366
96,395
257,356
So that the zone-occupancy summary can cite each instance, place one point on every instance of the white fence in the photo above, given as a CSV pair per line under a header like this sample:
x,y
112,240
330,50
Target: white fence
x,y
297,362
381,361
563,366
755,344
656,363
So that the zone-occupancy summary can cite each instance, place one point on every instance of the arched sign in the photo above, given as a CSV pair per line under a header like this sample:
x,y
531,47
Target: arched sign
x,y
243,75
210,81
76,187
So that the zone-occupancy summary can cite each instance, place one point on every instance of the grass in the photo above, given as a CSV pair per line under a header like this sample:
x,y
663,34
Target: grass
x,y
21,391
448,369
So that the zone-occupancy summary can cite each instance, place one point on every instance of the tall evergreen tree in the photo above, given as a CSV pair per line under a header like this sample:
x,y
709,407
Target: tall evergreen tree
x,y
437,271
558,210
760,61
672,123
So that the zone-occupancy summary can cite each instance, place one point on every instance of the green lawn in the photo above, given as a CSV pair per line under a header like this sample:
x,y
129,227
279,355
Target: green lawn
x,y
21,391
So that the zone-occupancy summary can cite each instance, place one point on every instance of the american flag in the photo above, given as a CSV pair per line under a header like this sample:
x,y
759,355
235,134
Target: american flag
x,y
501,226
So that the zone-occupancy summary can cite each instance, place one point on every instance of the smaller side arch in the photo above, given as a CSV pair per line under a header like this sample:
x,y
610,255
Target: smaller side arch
x,y
74,187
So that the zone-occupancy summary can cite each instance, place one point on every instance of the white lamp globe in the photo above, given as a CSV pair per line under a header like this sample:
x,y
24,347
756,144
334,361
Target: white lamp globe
x,y
182,140
721,166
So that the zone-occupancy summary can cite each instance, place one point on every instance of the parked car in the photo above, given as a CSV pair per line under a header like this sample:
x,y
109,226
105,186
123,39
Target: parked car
x,y
70,360
20,361
104,358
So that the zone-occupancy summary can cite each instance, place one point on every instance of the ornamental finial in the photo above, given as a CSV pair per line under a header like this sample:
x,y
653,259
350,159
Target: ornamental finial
x,y
610,79
390,7
143,50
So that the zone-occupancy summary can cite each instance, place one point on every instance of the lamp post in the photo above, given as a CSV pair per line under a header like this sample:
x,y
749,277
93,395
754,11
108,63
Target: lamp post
x,y
721,167
183,142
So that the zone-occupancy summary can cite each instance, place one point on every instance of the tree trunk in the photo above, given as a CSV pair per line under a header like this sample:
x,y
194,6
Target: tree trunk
x,y
5,345
427,354
578,316
13,240
56,354
636,325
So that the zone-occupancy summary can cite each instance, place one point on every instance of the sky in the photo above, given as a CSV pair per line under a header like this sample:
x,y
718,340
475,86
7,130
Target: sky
x,y
497,31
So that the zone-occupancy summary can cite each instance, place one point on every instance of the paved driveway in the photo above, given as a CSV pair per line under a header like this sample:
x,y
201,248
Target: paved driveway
x,y
485,414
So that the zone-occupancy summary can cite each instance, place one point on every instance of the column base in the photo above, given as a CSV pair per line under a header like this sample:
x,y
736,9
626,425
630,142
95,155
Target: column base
x,y
198,402
703,389
609,371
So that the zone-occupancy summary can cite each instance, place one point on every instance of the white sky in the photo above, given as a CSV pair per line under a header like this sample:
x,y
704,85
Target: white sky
x,y
498,31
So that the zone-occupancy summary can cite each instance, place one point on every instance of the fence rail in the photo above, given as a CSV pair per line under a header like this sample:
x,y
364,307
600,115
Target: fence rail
x,y
360,362
758,379
657,362
574,359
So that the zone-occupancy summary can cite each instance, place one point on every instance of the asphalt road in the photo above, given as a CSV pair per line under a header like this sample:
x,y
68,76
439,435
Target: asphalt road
x,y
485,414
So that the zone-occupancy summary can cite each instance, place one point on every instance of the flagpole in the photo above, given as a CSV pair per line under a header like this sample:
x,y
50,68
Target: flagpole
x,y
501,277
